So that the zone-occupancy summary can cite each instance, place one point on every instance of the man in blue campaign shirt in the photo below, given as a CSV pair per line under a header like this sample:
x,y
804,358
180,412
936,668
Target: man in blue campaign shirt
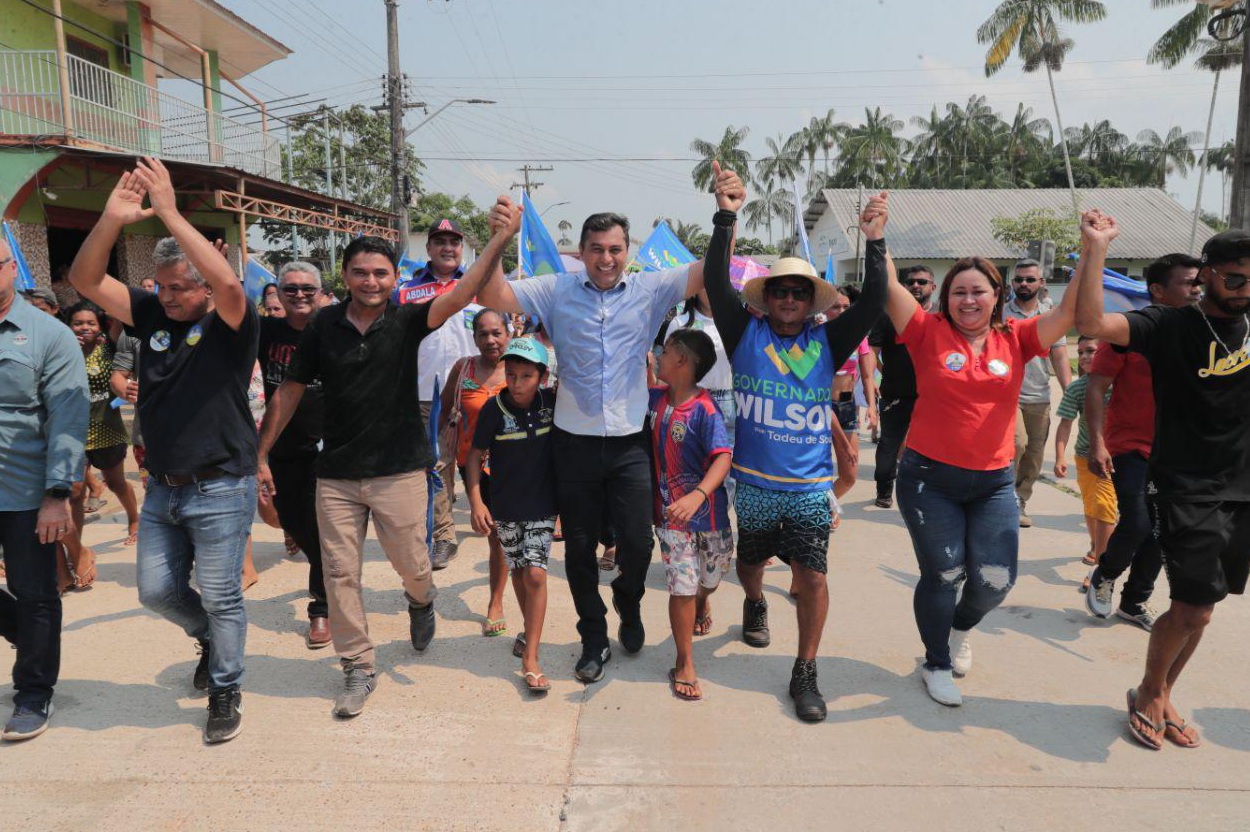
x,y
783,368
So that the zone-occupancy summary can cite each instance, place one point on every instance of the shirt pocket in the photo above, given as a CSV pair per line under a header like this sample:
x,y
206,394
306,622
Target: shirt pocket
x,y
19,380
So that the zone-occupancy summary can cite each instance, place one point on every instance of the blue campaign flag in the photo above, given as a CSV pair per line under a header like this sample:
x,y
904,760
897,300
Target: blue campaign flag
x,y
803,245
662,250
538,252
25,280
831,269
255,278
1122,293
433,482
408,267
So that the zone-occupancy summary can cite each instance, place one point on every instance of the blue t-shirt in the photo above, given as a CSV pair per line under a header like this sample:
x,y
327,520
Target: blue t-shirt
x,y
685,440
783,390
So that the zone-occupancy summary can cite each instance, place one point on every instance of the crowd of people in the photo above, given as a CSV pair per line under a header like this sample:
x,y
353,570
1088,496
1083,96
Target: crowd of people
x,y
722,423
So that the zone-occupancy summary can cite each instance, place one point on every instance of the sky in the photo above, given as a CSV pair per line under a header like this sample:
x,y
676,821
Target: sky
x,y
611,95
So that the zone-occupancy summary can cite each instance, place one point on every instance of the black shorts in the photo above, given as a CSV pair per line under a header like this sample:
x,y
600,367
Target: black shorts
x,y
104,458
1206,547
848,415
484,486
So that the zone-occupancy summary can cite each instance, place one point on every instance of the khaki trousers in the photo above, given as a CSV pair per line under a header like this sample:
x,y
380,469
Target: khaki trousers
x,y
444,524
397,505
1032,428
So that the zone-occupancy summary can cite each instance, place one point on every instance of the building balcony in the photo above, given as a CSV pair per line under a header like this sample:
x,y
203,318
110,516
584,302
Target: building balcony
x,y
89,106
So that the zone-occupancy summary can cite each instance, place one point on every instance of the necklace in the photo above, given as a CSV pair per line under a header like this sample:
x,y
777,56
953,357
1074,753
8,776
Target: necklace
x,y
1244,341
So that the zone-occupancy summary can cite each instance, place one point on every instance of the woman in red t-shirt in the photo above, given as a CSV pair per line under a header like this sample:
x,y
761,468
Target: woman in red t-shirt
x,y
956,482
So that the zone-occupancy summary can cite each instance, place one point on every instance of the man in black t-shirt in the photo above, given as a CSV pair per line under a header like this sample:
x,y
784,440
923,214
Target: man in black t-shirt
x,y
198,348
898,384
1198,491
374,464
293,458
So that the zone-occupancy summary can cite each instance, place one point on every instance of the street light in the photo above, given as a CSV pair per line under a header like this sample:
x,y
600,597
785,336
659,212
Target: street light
x,y
549,207
431,116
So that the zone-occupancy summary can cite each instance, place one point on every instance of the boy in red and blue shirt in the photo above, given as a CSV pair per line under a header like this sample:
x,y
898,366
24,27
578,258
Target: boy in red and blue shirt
x,y
690,460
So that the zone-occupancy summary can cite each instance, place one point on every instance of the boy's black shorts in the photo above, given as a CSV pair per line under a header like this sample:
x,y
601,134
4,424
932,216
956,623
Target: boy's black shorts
x,y
1206,547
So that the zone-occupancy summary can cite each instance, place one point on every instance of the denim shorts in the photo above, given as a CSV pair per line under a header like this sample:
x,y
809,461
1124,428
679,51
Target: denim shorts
x,y
848,414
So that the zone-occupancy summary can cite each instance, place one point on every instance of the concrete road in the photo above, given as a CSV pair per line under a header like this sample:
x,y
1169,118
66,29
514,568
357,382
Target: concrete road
x,y
450,741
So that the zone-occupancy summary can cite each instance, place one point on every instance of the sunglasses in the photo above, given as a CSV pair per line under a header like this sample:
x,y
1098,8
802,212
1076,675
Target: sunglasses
x,y
796,292
293,290
917,281
1233,281
1027,280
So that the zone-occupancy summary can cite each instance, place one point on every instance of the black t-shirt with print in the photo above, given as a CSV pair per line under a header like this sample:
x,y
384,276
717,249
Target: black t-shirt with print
x,y
279,341
522,473
373,424
1202,397
193,380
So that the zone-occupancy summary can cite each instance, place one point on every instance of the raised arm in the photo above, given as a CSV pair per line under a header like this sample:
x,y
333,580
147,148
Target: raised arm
x,y
846,331
730,316
496,292
87,274
1097,232
900,306
730,194
505,221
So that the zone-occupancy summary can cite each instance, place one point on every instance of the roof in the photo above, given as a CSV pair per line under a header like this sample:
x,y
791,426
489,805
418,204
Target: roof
x,y
948,224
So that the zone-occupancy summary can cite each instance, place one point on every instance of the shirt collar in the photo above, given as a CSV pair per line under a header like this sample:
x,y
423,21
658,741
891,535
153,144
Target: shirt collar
x,y
20,312
426,275
584,277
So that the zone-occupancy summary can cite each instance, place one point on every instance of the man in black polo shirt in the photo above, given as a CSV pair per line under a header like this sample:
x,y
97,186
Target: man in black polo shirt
x,y
898,384
376,452
198,348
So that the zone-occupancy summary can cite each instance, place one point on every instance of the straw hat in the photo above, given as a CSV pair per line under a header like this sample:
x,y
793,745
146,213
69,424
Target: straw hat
x,y
825,293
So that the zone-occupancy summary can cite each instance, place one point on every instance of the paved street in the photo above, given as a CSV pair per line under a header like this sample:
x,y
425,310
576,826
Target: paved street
x,y
451,742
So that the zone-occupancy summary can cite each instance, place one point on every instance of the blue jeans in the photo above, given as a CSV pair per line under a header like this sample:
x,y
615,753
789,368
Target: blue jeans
x,y
965,528
204,525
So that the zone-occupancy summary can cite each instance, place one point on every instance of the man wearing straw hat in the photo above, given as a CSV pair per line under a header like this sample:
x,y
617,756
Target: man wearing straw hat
x,y
783,368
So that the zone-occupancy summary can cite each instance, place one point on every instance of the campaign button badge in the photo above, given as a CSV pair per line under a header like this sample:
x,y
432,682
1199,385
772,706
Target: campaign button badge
x,y
194,335
999,367
20,338
955,361
159,340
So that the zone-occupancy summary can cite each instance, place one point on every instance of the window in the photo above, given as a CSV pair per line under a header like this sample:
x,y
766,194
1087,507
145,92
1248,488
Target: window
x,y
88,82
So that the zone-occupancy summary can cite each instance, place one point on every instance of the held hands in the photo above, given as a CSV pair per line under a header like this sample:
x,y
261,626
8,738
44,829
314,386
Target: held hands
x,y
505,217
730,192
680,511
874,217
160,188
480,517
1098,228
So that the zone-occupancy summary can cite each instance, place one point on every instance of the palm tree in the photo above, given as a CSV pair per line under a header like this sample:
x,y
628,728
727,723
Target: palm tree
x,y
871,152
825,133
1221,159
565,227
1026,136
728,151
928,147
784,163
1172,153
975,125
1030,28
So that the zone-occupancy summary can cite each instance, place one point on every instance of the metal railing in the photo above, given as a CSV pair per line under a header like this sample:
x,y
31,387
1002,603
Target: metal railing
x,y
111,110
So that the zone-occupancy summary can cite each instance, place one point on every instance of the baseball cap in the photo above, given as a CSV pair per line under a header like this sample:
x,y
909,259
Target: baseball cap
x,y
527,349
446,225
44,294
1226,247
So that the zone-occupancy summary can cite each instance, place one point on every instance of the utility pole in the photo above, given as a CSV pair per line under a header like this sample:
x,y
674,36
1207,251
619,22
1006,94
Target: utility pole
x,y
1239,209
395,99
290,180
331,241
529,186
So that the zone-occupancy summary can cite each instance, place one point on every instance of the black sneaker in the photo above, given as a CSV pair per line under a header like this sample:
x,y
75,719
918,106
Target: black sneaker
x,y
755,623
631,633
421,625
444,552
809,705
200,679
884,501
589,667
225,716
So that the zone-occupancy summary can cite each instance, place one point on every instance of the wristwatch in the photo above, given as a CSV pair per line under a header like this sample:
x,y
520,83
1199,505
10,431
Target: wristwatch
x,y
59,492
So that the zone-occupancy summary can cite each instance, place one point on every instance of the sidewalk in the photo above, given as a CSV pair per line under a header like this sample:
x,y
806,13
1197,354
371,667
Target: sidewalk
x,y
450,741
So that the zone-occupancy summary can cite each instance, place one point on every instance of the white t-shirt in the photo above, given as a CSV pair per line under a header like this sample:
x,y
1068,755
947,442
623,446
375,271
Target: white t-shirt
x,y
440,349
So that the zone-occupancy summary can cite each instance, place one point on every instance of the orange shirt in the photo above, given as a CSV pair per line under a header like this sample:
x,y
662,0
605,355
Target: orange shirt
x,y
472,396
966,406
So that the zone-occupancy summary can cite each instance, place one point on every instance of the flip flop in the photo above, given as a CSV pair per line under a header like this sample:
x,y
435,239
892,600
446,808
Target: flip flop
x,y
495,627
703,625
1138,734
1089,559
608,562
674,682
518,645
536,683
1172,729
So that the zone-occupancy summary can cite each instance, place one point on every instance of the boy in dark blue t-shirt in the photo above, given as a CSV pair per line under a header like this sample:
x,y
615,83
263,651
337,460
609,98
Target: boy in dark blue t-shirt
x,y
691,458
515,428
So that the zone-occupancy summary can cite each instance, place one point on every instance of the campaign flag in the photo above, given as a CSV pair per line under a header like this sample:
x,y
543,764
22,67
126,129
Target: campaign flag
x,y
25,280
831,269
803,245
433,482
255,278
538,252
663,250
407,267
1122,293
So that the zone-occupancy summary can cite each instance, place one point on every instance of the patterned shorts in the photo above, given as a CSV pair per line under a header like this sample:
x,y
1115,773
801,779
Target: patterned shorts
x,y
694,559
791,525
526,542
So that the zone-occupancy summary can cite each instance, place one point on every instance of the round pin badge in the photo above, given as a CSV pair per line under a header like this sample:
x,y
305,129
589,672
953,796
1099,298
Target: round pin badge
x,y
159,340
194,335
955,361
998,367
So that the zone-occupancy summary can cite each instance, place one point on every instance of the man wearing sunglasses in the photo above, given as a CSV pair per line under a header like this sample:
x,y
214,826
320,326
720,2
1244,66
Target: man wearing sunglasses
x,y
293,457
1033,418
898,383
1198,490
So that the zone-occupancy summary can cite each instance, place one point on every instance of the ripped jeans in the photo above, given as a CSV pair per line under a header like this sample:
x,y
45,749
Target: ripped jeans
x,y
965,528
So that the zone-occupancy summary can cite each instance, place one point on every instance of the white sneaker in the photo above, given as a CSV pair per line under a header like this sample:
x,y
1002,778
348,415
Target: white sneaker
x,y
941,686
961,652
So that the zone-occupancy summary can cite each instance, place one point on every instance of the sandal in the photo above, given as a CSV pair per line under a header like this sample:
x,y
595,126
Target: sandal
x,y
292,548
703,624
676,684
1141,736
131,538
536,683
518,645
1089,559
1177,734
495,627
84,577
608,562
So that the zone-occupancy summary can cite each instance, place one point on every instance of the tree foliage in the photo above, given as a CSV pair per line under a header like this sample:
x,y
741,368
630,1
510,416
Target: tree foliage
x,y
1037,224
